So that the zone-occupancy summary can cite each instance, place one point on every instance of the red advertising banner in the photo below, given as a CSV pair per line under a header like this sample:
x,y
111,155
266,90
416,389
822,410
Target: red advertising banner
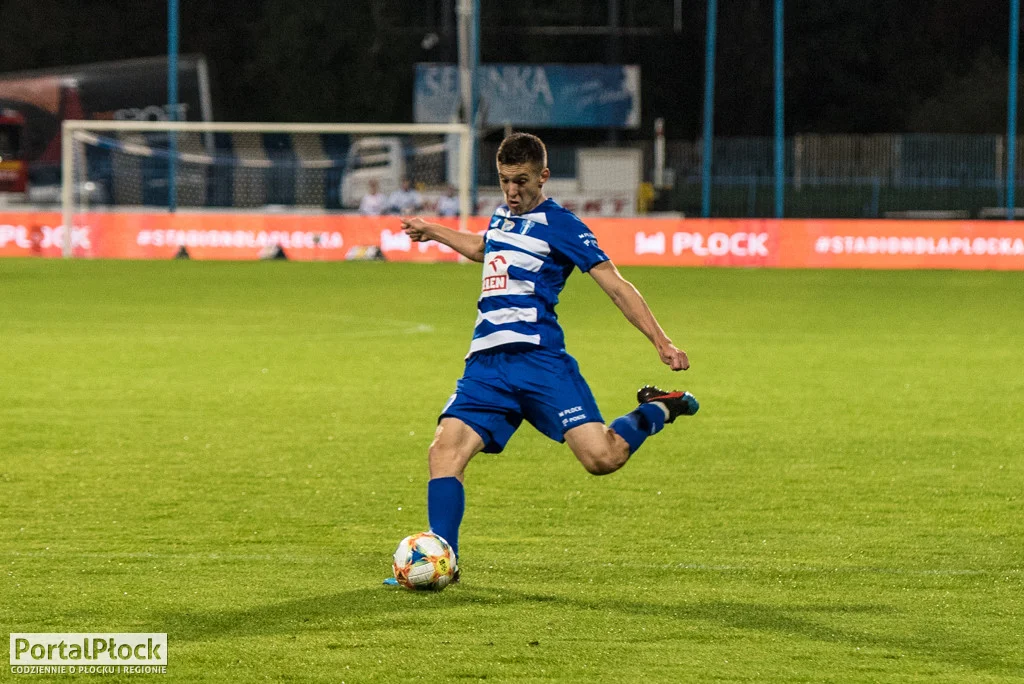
x,y
814,243
232,236
786,243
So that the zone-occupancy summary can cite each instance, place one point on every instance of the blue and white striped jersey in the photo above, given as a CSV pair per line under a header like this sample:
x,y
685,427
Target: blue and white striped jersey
x,y
527,260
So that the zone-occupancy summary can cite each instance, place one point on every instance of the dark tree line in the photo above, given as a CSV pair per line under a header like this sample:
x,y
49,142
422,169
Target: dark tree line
x,y
854,66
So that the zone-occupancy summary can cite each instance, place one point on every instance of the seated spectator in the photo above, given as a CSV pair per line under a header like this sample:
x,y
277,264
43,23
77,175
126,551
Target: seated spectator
x,y
405,200
448,205
374,203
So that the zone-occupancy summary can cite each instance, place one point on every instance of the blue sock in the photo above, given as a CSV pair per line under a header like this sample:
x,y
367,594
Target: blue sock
x,y
446,502
634,427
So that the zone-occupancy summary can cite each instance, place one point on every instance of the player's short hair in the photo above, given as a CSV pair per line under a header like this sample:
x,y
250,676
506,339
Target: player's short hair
x,y
523,148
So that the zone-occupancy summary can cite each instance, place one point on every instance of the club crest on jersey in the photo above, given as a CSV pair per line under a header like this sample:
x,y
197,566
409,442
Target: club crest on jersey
x,y
507,225
527,225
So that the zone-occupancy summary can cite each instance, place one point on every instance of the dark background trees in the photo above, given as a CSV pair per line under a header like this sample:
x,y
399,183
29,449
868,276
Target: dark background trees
x,y
852,66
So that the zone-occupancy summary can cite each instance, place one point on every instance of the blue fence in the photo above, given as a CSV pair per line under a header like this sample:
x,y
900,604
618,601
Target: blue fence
x,y
840,176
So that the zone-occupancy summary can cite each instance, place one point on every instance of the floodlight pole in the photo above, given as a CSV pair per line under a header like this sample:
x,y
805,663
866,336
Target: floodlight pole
x,y
709,108
1011,112
780,134
474,66
469,62
172,103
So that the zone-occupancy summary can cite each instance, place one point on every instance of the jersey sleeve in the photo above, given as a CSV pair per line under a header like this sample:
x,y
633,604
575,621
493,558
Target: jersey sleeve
x,y
579,245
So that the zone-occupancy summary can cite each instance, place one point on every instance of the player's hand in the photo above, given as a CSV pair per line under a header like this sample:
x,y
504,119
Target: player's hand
x,y
416,229
674,357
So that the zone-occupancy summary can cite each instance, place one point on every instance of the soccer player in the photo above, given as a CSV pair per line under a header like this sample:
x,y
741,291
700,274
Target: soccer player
x,y
517,367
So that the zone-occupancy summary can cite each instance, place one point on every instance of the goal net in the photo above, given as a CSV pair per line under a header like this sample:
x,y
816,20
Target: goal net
x,y
256,167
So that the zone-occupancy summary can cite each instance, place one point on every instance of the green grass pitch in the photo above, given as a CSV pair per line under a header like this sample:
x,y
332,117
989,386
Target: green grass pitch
x,y
229,453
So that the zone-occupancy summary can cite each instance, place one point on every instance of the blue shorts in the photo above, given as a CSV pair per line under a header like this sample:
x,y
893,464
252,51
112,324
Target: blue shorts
x,y
499,389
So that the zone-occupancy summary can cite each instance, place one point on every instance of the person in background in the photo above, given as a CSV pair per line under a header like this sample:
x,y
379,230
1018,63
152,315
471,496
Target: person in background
x,y
448,205
405,200
374,202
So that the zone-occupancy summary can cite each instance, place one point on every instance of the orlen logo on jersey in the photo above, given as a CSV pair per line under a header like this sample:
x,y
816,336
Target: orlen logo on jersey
x,y
496,273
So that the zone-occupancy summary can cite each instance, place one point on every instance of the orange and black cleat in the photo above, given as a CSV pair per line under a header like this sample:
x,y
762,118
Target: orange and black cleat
x,y
677,403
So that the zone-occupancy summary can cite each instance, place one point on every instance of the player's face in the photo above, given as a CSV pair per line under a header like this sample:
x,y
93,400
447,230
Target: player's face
x,y
523,185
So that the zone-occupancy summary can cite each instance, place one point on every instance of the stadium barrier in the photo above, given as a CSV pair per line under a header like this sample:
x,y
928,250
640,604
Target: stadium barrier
x,y
786,243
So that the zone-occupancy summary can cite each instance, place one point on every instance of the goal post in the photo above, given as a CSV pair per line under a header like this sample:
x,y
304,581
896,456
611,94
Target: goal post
x,y
311,167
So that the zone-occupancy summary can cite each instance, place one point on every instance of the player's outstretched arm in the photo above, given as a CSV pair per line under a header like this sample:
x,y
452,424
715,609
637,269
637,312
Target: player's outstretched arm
x,y
468,245
634,307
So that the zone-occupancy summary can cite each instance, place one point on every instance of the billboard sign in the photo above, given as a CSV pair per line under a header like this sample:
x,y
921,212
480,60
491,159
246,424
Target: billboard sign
x,y
786,243
134,90
538,95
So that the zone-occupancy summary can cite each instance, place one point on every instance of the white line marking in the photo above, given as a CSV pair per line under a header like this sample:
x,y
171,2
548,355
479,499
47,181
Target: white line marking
x,y
697,567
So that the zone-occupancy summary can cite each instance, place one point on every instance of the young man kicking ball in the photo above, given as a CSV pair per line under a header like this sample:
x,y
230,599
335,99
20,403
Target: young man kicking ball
x,y
517,367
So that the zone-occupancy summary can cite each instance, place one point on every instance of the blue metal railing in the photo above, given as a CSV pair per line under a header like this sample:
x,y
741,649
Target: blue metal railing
x,y
867,176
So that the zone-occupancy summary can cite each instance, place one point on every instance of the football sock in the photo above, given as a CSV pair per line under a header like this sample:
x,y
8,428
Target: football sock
x,y
446,502
636,426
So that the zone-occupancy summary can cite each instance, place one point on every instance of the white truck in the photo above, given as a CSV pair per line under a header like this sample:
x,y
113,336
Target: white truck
x,y
388,159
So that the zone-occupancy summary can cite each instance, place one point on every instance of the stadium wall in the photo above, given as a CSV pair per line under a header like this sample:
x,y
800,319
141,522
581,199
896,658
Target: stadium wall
x,y
785,243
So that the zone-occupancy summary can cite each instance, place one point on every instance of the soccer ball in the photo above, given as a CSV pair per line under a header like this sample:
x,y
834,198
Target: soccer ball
x,y
424,561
